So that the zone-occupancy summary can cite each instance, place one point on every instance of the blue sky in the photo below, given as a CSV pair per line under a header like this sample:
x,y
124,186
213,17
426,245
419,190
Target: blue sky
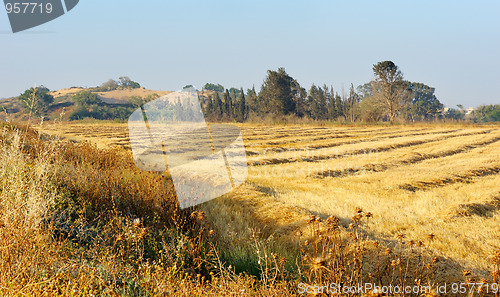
x,y
453,46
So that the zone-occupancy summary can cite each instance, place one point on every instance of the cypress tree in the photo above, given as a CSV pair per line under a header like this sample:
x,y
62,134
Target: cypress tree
x,y
242,108
218,107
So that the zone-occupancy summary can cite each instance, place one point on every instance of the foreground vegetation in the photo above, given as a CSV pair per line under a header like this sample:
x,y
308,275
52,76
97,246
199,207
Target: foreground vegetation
x,y
352,205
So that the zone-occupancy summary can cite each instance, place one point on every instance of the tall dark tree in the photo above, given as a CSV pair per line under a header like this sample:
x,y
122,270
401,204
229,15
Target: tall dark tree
x,y
339,105
241,107
228,104
332,107
218,107
299,95
317,103
424,104
209,109
392,88
276,93
252,100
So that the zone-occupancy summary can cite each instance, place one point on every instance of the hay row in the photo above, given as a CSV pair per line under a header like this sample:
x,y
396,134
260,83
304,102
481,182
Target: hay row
x,y
483,208
299,139
267,135
408,161
459,178
361,151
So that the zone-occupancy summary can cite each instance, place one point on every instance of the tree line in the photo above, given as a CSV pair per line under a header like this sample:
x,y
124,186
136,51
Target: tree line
x,y
389,97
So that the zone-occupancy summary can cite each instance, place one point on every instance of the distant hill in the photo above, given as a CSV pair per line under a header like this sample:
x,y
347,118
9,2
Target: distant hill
x,y
64,104
110,97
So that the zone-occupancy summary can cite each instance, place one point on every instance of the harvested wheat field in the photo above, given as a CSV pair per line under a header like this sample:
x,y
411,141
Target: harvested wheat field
x,y
437,185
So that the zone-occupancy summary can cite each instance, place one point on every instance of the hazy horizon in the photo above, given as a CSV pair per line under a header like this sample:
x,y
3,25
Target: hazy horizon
x,y
452,46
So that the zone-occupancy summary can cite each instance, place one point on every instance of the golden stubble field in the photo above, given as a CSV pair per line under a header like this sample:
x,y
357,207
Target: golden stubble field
x,y
416,180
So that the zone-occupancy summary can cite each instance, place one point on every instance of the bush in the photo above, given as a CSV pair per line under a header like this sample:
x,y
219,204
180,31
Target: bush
x,y
36,100
487,113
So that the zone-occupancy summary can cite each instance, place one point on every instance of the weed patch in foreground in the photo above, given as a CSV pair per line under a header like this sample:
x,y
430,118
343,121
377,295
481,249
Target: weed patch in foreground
x,y
79,221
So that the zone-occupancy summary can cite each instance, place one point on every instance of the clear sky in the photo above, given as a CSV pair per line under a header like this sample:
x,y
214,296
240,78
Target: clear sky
x,y
453,46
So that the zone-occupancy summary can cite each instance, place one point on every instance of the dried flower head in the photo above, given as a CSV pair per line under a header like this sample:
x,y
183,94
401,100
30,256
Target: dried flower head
x,y
142,234
495,257
466,272
400,236
357,217
318,263
431,236
137,223
201,216
368,215
332,222
359,210
388,251
193,215
311,219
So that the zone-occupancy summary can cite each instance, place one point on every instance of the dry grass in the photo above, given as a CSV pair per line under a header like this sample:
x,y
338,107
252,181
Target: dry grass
x,y
456,172
416,180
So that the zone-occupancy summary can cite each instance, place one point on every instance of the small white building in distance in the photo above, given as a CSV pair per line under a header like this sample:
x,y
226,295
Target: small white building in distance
x,y
469,110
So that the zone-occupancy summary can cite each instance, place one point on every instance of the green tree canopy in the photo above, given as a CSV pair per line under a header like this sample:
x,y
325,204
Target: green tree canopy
x,y
276,94
86,98
235,91
424,104
213,87
109,85
127,83
487,113
36,100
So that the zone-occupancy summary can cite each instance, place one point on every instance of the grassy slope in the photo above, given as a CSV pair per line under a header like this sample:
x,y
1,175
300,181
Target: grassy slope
x,y
63,103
